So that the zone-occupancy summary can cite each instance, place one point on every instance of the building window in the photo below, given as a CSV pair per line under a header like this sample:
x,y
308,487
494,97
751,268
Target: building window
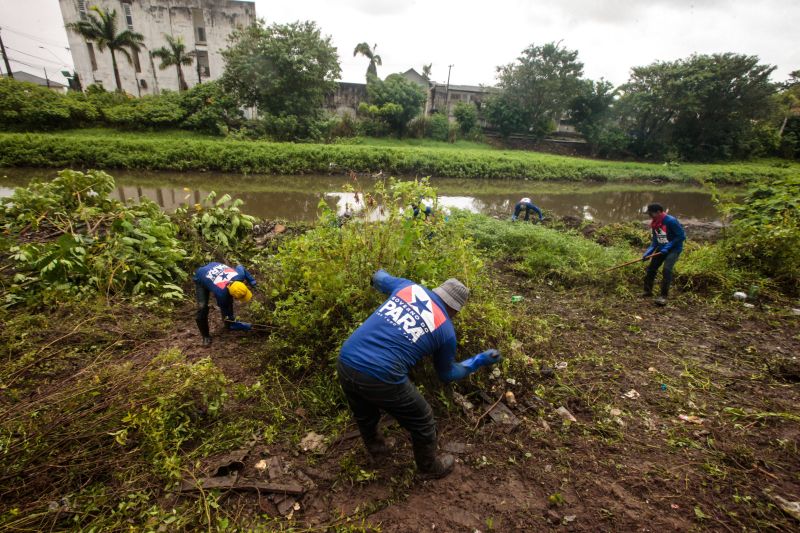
x,y
93,59
82,9
126,7
136,64
202,64
199,26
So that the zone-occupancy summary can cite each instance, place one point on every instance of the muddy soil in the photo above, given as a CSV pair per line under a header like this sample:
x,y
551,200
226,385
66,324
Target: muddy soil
x,y
712,426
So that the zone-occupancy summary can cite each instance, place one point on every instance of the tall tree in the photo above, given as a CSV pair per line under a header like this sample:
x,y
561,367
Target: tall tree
x,y
593,114
285,70
175,54
537,88
426,71
700,108
395,100
102,29
369,53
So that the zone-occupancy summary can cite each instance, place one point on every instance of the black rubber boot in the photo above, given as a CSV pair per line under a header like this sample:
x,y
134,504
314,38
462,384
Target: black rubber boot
x,y
429,465
377,447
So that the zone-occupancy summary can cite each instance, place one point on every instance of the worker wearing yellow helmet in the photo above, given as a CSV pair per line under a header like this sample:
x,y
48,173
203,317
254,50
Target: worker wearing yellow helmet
x,y
227,284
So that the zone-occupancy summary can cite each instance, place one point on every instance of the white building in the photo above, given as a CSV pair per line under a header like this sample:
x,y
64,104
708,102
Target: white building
x,y
204,26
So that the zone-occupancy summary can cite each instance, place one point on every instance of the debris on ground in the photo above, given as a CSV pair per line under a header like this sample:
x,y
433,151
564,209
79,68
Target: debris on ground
x,y
564,413
234,482
739,295
461,401
313,443
692,419
225,464
561,365
632,394
511,400
457,447
789,507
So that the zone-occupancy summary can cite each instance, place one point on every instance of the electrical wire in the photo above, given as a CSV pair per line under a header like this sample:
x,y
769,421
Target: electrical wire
x,y
32,37
37,57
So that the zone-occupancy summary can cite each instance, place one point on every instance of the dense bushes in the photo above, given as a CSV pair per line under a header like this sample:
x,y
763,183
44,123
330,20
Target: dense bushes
x,y
320,281
72,240
178,153
205,108
765,232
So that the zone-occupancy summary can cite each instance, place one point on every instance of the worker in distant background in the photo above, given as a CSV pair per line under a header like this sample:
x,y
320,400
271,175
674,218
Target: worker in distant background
x,y
667,242
227,284
526,204
375,361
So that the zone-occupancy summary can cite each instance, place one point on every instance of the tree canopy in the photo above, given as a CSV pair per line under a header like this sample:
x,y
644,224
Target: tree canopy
x,y
699,108
100,26
535,90
284,70
175,54
396,100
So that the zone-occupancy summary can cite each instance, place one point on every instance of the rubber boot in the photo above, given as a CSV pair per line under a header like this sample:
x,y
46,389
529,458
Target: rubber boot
x,y
429,465
377,447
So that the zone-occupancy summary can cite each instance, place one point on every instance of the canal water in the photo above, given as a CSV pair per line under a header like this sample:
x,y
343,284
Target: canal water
x,y
297,197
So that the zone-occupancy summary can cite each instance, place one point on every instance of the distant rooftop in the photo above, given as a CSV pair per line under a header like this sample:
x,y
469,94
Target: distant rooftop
x,y
25,76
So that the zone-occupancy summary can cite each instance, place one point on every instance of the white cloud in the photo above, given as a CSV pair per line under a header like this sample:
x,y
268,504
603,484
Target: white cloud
x,y
475,36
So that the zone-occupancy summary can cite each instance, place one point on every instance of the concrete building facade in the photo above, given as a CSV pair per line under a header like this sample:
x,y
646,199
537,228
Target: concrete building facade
x,y
204,26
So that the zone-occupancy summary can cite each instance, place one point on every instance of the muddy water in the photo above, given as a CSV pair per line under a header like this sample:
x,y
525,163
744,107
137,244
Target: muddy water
x,y
297,197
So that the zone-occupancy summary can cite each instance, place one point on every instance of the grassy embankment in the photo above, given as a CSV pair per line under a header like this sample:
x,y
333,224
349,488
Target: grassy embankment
x,y
184,151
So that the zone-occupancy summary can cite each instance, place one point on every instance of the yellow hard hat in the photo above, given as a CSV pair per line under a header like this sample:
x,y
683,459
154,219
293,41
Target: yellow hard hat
x,y
239,291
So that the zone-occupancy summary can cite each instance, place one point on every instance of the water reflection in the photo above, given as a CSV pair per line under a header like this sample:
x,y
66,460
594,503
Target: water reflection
x,y
297,198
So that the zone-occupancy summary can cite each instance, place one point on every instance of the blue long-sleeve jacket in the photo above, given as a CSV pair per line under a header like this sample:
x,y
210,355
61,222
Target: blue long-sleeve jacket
x,y
216,277
528,208
668,237
409,325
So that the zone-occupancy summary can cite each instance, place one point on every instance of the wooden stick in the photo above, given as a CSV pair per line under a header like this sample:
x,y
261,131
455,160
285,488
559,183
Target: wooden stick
x,y
477,423
630,263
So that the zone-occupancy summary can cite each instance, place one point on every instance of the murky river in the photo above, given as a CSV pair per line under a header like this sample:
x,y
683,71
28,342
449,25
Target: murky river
x,y
297,197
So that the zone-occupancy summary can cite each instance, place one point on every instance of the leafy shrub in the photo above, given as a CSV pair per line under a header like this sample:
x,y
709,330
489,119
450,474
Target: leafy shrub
x,y
439,127
221,226
765,232
26,105
209,109
467,116
74,239
544,253
161,111
320,281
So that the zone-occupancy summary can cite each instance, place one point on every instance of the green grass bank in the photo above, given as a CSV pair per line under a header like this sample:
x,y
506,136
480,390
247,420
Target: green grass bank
x,y
165,151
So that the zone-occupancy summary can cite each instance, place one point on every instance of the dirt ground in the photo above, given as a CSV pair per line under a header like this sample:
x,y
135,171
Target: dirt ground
x,y
705,441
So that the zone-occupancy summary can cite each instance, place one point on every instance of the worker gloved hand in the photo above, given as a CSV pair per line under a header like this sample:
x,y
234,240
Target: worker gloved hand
x,y
240,326
489,357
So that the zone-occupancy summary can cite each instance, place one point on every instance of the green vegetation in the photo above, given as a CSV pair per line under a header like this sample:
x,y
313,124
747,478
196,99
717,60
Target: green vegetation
x,y
162,152
106,404
285,71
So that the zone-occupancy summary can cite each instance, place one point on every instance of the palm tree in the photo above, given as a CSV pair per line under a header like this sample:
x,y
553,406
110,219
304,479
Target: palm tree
x,y
369,53
102,29
426,71
175,54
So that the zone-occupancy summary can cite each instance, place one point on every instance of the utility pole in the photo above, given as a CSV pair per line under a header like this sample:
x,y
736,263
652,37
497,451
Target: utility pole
x,y
447,93
5,58
46,79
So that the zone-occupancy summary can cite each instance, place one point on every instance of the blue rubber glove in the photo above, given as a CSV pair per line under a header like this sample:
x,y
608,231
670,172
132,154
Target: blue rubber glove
x,y
513,218
647,253
489,357
240,326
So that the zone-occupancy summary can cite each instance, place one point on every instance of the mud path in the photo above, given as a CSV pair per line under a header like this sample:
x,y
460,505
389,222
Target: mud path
x,y
713,423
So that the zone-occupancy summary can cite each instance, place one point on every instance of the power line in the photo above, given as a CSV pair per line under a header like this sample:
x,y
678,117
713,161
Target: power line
x,y
33,37
37,57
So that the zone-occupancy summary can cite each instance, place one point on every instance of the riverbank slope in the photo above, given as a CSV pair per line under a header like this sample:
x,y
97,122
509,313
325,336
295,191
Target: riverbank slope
x,y
110,149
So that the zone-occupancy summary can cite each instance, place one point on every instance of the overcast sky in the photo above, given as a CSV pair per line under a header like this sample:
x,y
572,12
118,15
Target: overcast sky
x,y
476,36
